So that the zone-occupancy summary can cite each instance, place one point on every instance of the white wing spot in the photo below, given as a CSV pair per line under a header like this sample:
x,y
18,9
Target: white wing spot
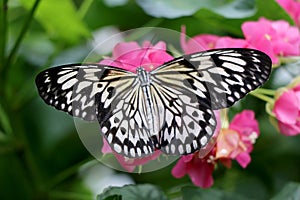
x,y
68,84
66,77
203,140
233,67
233,60
117,148
180,149
188,148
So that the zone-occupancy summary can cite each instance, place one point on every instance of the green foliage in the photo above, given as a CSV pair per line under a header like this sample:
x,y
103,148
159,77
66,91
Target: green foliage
x,y
60,20
40,151
177,8
133,192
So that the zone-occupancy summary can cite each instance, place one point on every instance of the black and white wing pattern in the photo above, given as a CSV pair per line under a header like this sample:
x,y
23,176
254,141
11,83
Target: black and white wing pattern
x,y
216,79
220,77
108,94
169,108
73,88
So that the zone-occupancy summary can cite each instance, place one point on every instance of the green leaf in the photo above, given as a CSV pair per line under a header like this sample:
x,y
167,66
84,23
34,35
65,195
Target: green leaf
x,y
195,193
178,8
60,19
4,121
133,192
290,191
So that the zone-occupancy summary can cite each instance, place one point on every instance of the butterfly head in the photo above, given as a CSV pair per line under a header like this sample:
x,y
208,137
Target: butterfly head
x,y
143,76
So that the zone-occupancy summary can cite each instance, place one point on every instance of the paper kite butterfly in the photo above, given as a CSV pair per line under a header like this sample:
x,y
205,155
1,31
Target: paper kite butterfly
x,y
169,108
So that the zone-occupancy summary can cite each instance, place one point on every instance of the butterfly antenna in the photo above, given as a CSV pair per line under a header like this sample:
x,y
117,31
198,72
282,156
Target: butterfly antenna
x,y
147,48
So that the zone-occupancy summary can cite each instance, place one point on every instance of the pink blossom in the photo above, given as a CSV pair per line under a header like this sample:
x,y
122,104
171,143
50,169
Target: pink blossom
x,y
293,8
275,38
206,41
237,141
197,43
199,170
234,143
228,42
129,55
198,166
128,164
287,111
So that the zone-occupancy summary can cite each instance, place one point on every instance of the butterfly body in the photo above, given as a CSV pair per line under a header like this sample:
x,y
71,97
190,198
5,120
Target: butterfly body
x,y
169,108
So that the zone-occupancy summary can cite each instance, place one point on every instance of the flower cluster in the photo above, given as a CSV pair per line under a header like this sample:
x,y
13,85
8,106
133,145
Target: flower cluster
x,y
286,109
275,38
233,143
293,8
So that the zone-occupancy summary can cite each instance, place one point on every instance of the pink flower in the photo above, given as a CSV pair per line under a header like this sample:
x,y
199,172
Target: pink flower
x,y
228,42
234,143
198,166
129,56
276,38
293,8
206,41
287,111
199,170
128,164
197,43
237,141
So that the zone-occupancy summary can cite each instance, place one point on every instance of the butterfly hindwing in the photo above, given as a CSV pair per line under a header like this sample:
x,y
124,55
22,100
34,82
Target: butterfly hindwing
x,y
186,124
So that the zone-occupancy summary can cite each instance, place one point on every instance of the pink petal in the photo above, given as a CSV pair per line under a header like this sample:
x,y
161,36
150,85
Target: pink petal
x,y
228,42
179,170
245,123
197,43
160,46
289,129
286,108
201,174
243,159
105,148
125,49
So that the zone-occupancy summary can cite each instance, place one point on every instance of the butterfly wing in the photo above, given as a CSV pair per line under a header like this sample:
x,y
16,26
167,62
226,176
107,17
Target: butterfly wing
x,y
204,82
185,122
220,77
110,95
72,88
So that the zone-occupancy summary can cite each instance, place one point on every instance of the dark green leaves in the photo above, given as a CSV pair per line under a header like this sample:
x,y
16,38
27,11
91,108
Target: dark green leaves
x,y
290,191
133,192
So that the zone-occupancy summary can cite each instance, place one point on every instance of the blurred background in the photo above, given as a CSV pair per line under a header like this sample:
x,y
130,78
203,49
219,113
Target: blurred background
x,y
41,155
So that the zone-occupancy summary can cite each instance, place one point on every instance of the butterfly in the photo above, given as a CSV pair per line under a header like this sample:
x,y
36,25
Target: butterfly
x,y
169,108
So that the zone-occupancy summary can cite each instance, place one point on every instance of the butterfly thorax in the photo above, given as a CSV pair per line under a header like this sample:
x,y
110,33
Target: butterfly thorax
x,y
143,76
151,113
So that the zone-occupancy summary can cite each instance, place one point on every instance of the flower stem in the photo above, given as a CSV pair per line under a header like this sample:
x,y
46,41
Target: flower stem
x,y
262,96
266,91
3,31
24,29
84,7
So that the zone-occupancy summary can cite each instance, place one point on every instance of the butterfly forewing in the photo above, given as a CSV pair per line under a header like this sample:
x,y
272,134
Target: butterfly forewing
x,y
219,77
72,88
